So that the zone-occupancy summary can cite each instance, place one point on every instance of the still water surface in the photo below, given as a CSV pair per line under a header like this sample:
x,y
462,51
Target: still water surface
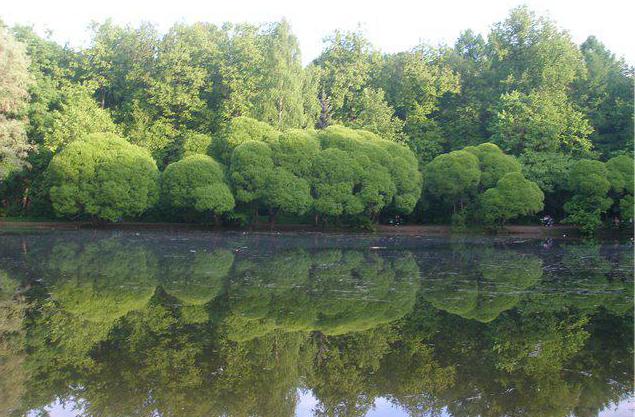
x,y
120,324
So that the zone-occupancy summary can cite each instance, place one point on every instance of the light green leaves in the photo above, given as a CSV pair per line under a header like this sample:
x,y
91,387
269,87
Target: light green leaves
x,y
102,176
197,182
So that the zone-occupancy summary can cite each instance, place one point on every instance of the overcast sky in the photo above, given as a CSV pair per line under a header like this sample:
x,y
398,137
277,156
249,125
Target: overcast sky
x,y
391,25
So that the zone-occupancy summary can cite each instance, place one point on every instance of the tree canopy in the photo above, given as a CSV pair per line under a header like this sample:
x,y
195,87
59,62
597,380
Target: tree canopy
x,y
197,182
522,97
104,176
15,80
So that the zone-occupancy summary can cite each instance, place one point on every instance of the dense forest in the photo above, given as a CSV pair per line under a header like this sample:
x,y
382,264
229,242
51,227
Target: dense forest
x,y
224,124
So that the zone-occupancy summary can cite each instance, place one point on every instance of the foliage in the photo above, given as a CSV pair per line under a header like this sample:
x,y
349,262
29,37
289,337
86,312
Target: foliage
x,y
345,68
102,176
621,177
494,164
294,151
251,166
606,95
195,143
589,186
453,176
79,115
371,112
14,96
549,170
523,90
286,192
539,122
280,99
238,131
197,182
512,197
620,174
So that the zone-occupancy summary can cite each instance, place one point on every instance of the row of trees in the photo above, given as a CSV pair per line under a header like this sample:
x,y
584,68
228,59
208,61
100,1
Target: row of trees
x,y
525,87
481,183
333,173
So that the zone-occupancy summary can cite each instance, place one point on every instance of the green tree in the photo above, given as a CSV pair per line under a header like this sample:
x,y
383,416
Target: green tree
x,y
195,143
333,177
530,52
550,170
176,89
494,164
541,121
384,174
415,82
404,169
606,96
279,100
452,178
158,136
197,183
102,176
250,169
463,117
287,193
512,197
240,130
371,112
589,186
50,66
346,63
620,175
120,61
78,116
238,76
294,151
15,80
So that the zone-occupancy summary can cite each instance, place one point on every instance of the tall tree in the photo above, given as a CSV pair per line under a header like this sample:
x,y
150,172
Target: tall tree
x,y
279,100
79,115
530,52
606,96
541,121
15,80
463,117
414,82
120,61
346,64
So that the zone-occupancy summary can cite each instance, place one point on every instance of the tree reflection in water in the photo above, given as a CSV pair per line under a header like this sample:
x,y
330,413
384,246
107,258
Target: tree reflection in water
x,y
235,325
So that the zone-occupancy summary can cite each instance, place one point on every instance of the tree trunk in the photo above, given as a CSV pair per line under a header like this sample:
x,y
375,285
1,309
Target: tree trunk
x,y
273,214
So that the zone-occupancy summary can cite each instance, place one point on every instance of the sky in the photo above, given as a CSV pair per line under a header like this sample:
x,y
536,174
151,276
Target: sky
x,y
390,25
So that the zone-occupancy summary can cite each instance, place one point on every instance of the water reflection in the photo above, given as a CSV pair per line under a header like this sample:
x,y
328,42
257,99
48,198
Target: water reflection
x,y
257,325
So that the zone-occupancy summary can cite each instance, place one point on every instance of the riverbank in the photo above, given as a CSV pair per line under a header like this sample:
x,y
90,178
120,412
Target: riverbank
x,y
412,230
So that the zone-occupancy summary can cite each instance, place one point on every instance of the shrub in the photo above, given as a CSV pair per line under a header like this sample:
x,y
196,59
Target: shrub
x,y
102,176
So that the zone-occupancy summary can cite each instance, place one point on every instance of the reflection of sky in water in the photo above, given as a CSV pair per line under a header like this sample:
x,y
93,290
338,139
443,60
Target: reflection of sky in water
x,y
383,408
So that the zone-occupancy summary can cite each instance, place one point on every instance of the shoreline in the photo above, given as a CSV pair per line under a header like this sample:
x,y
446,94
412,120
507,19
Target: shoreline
x,y
381,229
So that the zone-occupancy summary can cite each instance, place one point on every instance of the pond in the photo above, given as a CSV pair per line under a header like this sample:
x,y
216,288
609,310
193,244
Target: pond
x,y
118,324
